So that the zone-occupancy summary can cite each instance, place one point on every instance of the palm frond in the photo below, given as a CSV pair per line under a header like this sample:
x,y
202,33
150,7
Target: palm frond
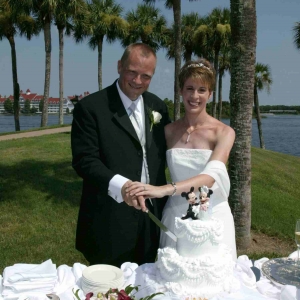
x,y
296,30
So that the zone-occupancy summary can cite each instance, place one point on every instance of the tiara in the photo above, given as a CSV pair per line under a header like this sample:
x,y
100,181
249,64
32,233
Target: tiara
x,y
198,65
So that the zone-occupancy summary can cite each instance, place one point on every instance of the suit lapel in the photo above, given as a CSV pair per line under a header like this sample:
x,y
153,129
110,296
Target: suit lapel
x,y
148,109
120,114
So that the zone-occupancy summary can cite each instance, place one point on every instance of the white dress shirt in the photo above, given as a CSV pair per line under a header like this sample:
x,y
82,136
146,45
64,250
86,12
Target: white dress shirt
x,y
117,182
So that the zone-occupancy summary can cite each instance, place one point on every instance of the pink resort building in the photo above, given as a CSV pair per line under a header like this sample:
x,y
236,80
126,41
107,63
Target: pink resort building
x,y
35,99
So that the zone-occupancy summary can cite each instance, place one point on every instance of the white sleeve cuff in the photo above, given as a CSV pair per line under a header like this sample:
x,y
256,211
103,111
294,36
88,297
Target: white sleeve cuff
x,y
115,187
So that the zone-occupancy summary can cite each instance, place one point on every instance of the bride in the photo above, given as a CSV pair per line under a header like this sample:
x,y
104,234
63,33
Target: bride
x,y
198,149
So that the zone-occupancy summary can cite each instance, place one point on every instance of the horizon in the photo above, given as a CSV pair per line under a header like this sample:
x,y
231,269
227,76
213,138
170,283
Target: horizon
x,y
275,47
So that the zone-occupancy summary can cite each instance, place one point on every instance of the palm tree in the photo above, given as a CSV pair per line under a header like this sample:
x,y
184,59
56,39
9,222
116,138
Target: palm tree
x,y
13,22
262,80
146,24
65,10
201,40
243,56
190,24
296,30
219,32
224,65
176,6
43,10
103,19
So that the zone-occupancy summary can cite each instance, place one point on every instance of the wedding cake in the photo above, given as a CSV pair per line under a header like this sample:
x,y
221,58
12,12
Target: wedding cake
x,y
200,266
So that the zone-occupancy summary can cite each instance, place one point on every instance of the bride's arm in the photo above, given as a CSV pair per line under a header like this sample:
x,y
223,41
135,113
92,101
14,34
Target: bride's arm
x,y
225,139
151,191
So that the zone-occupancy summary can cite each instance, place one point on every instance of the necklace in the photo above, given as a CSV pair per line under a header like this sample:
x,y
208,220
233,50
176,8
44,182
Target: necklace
x,y
190,132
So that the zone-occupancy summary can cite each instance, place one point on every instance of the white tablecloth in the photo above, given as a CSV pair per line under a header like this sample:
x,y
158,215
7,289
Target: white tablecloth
x,y
69,278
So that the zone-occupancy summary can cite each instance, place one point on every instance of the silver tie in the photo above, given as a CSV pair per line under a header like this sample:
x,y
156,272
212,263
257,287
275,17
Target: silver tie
x,y
137,124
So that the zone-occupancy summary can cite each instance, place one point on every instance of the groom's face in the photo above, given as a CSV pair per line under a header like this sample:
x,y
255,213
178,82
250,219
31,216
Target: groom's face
x,y
136,74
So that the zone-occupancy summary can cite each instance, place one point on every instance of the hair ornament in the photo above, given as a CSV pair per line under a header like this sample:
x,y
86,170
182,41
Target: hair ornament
x,y
199,65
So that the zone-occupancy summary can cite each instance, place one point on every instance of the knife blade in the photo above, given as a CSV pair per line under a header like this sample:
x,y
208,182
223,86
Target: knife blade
x,y
163,227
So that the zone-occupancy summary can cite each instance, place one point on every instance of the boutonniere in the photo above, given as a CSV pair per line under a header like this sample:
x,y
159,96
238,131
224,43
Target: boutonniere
x,y
154,118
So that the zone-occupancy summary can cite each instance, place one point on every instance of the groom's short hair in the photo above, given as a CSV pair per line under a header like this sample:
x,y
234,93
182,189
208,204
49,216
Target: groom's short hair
x,y
146,51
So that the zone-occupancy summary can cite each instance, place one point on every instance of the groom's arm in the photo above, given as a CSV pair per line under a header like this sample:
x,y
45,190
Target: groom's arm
x,y
85,149
86,156
86,159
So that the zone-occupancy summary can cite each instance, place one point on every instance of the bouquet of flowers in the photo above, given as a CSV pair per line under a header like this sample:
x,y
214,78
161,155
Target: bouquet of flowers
x,y
116,294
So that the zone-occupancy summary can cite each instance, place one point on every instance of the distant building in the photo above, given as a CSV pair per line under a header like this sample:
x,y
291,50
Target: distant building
x,y
35,99
2,99
74,99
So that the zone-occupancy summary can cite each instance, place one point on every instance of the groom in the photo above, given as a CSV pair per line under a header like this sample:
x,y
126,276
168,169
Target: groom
x,y
112,145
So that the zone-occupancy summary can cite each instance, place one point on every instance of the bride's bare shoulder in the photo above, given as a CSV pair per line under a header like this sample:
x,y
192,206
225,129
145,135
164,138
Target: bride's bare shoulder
x,y
226,130
172,127
224,133
222,128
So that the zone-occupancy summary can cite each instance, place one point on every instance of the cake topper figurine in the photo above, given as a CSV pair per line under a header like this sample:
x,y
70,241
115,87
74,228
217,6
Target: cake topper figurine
x,y
204,196
192,200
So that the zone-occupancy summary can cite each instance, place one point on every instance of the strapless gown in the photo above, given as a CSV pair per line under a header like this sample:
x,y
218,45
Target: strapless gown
x,y
184,164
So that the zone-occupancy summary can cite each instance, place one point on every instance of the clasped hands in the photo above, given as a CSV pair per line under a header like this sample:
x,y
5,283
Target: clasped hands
x,y
135,193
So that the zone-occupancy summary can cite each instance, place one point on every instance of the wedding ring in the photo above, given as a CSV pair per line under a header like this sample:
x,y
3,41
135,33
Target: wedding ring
x,y
144,188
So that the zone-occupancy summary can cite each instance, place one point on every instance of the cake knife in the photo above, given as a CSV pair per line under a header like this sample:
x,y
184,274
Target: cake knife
x,y
161,225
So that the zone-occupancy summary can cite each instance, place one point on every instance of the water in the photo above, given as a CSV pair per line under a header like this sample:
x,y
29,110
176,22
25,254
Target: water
x,y
7,122
281,132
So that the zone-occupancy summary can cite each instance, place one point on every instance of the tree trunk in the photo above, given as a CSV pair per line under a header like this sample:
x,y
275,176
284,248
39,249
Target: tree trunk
x,y
243,57
220,96
214,102
177,26
187,56
100,47
15,82
61,75
47,39
258,119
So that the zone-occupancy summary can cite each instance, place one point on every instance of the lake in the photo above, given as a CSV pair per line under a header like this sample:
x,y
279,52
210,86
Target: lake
x,y
281,132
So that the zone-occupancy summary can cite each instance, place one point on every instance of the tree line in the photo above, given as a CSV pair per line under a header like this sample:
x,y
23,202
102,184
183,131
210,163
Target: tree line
x,y
266,108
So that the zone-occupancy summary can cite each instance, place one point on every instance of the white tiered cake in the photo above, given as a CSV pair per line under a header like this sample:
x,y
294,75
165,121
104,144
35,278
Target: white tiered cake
x,y
200,266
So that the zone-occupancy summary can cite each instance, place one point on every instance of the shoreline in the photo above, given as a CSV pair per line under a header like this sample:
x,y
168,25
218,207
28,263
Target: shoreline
x,y
18,135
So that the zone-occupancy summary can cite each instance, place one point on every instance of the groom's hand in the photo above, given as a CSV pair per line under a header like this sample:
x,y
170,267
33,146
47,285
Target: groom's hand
x,y
133,200
124,193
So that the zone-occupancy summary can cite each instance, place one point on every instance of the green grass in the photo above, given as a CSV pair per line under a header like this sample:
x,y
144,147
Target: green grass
x,y
39,198
40,192
275,192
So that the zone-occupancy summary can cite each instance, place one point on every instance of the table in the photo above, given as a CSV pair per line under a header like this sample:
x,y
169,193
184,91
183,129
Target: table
x,y
68,281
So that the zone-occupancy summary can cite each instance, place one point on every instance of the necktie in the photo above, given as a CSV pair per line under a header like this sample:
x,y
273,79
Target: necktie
x,y
136,122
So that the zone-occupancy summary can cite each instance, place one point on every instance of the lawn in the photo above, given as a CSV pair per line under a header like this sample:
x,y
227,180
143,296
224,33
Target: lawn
x,y
40,192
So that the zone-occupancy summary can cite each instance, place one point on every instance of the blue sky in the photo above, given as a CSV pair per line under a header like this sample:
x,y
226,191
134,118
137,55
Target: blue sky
x,y
275,20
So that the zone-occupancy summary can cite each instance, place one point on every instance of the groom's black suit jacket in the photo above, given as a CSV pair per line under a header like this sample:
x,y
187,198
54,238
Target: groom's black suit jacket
x,y
104,143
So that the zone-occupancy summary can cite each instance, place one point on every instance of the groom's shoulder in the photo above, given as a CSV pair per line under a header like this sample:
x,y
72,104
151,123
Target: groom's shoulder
x,y
153,98
96,98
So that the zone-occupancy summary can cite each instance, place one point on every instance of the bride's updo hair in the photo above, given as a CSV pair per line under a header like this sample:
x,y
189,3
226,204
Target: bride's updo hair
x,y
200,69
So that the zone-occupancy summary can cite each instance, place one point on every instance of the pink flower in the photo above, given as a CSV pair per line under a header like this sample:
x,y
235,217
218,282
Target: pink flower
x,y
123,296
88,296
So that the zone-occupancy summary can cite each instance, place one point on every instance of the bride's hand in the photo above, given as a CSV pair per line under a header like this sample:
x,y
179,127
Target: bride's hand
x,y
145,190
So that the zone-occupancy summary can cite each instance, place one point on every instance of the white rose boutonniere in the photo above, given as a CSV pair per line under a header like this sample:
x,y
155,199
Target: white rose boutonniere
x,y
154,118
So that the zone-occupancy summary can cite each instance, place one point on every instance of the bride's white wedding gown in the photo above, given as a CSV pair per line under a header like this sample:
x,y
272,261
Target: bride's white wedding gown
x,y
184,164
